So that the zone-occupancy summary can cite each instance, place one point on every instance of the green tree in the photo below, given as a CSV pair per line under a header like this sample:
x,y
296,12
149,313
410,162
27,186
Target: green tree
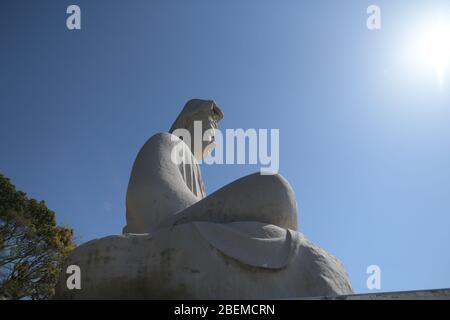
x,y
32,246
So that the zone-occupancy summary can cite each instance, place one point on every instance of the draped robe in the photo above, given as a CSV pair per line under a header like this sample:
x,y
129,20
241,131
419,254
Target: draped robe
x,y
197,259
160,187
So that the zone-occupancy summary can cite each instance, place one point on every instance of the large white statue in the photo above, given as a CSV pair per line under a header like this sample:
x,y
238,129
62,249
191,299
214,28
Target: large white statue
x,y
240,242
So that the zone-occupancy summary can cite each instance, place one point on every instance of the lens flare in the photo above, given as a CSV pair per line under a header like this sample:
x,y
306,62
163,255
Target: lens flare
x,y
434,48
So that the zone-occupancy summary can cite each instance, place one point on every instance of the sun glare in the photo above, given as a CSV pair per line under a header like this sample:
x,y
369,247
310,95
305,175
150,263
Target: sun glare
x,y
434,48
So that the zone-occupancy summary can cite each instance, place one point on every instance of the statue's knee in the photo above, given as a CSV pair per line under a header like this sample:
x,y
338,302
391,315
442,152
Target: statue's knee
x,y
273,184
276,195
278,186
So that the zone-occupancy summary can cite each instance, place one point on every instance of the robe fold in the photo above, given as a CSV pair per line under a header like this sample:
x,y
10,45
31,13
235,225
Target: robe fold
x,y
166,179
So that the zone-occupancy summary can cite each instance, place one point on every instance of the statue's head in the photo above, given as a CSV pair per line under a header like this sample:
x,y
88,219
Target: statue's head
x,y
206,111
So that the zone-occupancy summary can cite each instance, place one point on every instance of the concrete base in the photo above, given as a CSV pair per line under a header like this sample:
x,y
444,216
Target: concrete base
x,y
436,294
202,260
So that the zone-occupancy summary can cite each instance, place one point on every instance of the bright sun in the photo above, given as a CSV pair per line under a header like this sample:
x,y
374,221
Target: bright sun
x,y
434,48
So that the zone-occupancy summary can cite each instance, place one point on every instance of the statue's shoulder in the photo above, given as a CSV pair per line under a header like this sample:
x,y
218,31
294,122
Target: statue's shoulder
x,y
159,143
162,138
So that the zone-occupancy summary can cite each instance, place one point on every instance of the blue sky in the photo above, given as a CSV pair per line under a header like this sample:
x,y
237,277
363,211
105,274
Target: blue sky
x,y
364,129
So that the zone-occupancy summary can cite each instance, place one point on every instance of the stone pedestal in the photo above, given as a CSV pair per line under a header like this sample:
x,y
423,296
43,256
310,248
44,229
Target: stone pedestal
x,y
190,262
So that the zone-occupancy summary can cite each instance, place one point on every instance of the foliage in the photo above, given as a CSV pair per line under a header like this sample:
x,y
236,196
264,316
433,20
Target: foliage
x,y
32,246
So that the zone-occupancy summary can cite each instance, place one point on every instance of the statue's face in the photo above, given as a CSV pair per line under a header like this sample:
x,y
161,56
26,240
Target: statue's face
x,y
208,144
198,111
207,139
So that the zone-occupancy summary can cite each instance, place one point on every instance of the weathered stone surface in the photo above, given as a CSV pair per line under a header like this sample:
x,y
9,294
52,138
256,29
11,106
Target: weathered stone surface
x,y
240,242
182,263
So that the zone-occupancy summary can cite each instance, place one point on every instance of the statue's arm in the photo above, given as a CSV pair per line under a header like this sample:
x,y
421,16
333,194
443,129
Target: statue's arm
x,y
156,190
